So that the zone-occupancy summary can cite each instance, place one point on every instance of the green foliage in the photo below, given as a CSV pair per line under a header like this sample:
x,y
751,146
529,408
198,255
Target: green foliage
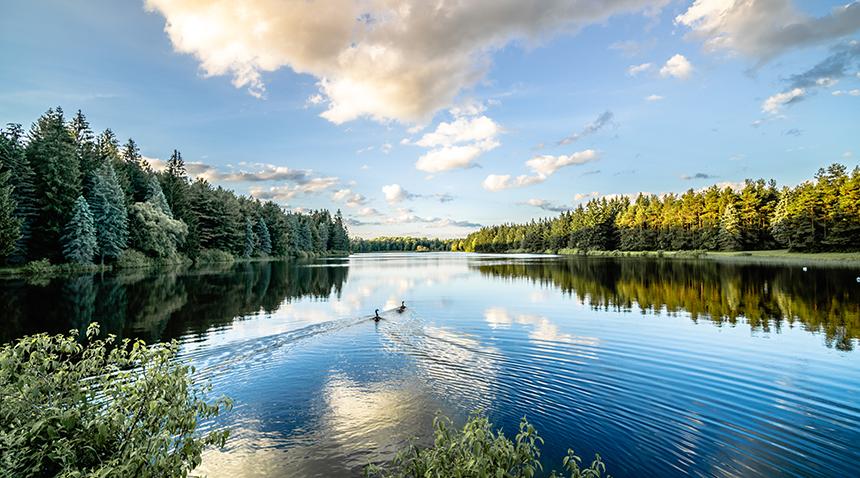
x,y
213,256
79,238
39,267
480,452
729,237
103,408
156,196
153,232
109,213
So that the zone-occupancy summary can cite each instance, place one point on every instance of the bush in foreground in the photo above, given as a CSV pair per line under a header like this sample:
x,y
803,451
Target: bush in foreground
x,y
105,408
477,451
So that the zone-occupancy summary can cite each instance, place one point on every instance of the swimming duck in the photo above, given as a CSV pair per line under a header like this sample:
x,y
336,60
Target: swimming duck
x,y
402,307
377,318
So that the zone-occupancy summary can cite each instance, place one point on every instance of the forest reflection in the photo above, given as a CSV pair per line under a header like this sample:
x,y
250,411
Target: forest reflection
x,y
162,304
821,300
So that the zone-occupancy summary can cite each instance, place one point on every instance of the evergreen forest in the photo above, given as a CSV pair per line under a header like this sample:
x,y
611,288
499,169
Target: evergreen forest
x,y
68,195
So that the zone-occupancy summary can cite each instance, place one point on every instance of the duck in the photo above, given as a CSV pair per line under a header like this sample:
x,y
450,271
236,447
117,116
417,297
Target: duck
x,y
402,307
377,318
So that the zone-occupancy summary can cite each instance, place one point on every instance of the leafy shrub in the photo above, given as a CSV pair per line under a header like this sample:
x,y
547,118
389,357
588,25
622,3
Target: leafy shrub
x,y
210,256
153,232
131,259
478,451
42,266
107,408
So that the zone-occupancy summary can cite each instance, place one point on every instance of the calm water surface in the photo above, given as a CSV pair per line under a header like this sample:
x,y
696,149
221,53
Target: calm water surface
x,y
664,367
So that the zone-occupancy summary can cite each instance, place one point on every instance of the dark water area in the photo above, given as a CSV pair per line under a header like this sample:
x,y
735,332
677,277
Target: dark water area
x,y
664,367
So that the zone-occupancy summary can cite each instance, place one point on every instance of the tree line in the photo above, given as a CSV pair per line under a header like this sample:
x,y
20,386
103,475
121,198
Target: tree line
x,y
409,244
67,195
821,214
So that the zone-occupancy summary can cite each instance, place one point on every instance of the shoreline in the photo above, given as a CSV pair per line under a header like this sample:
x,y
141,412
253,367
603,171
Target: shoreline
x,y
776,256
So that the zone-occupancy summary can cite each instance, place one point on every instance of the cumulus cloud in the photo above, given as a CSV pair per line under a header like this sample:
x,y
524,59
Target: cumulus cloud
x,y
581,196
634,70
394,193
678,66
654,98
457,144
406,216
542,166
349,197
774,103
764,29
599,123
371,58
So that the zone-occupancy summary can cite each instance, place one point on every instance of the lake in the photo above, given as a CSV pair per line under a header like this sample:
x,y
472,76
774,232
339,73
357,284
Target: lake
x,y
669,367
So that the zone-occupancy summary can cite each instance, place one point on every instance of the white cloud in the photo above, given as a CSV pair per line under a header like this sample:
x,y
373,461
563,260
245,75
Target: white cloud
x,y
764,29
678,66
498,182
634,70
457,144
394,193
372,58
774,103
546,164
854,92
543,166
581,196
654,98
386,148
349,197
449,157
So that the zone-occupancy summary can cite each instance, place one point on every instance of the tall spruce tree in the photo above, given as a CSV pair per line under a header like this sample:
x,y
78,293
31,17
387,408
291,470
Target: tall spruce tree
x,y
85,150
250,239
265,241
137,170
14,161
79,238
109,212
51,153
10,225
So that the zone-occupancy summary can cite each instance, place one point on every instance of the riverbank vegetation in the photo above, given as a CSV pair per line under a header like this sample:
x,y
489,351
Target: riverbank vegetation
x,y
404,244
822,214
100,408
479,451
68,196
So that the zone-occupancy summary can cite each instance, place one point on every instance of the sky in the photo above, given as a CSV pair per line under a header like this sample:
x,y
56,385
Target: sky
x,y
433,118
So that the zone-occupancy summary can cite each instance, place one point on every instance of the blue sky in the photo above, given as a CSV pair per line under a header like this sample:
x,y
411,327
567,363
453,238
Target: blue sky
x,y
430,119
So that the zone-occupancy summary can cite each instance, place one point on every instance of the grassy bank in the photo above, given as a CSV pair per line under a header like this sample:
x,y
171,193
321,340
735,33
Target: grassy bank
x,y
778,256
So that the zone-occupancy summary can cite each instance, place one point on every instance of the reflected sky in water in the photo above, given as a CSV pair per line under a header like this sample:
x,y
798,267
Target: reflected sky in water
x,y
664,367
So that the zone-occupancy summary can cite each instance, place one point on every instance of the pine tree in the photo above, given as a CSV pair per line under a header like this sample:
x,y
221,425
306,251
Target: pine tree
x,y
10,225
79,237
51,153
14,161
250,239
85,150
265,240
729,237
137,170
109,213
